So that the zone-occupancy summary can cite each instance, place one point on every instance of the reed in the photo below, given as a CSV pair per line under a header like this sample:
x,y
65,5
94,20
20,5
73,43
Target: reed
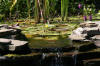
x,y
37,11
28,6
64,9
46,8
12,6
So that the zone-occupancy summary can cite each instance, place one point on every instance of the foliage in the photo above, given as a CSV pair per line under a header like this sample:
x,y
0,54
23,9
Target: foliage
x,y
52,8
37,11
13,4
5,6
89,9
43,9
28,6
64,8
46,10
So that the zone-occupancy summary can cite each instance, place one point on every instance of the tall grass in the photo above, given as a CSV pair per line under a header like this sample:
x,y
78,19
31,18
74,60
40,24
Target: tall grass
x,y
12,6
41,10
37,11
28,6
46,8
52,7
64,9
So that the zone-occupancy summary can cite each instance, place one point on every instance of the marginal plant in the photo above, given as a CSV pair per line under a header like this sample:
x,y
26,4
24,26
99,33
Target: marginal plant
x,y
46,10
37,10
28,5
52,8
12,6
64,9
41,10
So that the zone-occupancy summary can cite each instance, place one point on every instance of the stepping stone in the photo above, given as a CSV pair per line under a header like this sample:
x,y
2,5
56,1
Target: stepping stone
x,y
97,43
17,45
12,45
76,37
18,42
96,37
5,41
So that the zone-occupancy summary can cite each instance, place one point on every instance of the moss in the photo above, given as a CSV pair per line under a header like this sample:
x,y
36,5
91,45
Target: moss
x,y
20,55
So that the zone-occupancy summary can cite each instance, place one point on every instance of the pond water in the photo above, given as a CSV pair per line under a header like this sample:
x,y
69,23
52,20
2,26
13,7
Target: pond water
x,y
49,41
61,51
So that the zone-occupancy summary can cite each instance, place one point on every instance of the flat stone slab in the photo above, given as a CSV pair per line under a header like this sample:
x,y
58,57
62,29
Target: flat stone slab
x,y
9,30
13,44
76,37
97,43
86,31
5,41
18,42
5,30
96,37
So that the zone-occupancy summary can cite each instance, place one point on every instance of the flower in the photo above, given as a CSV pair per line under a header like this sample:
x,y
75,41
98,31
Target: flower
x,y
79,5
85,18
90,17
46,25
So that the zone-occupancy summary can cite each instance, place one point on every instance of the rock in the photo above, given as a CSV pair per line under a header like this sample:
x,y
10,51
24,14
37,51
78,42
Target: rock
x,y
78,31
86,31
76,37
12,45
88,24
96,37
12,33
92,62
5,26
77,34
3,57
97,43
5,41
17,44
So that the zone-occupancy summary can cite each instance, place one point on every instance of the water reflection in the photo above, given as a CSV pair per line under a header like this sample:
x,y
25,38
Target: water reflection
x,y
75,55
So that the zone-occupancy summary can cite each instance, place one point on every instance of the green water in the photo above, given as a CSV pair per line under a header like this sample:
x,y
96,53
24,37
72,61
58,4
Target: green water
x,y
48,42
